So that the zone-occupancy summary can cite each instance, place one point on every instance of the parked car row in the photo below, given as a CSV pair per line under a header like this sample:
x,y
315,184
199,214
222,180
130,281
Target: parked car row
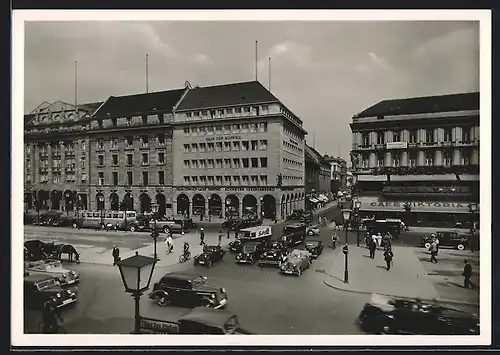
x,y
452,239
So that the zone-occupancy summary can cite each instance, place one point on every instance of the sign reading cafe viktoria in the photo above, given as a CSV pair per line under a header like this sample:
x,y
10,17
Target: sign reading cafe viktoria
x,y
419,204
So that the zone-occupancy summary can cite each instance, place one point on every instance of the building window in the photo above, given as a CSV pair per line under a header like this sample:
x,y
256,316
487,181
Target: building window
x,y
263,162
204,113
365,139
130,181
186,148
210,147
114,143
194,148
253,127
145,178
194,131
236,128
254,179
236,179
194,164
429,135
187,164
100,160
263,127
236,146
246,109
265,108
412,158
244,146
227,129
210,163
130,158
263,144
83,162
115,178
229,111
161,177
210,130
245,162
218,163
186,180
245,180
203,131
188,114
196,114
380,138
429,159
236,163
218,129
186,132
227,163
161,158
255,162
202,147
447,159
238,109
466,153
396,158
218,180
447,135
130,142
396,136
413,136
100,144
365,164
380,161
145,141
254,145
115,159
212,113
220,112
227,146
263,179
227,180
466,134
244,128
100,178
218,147
145,159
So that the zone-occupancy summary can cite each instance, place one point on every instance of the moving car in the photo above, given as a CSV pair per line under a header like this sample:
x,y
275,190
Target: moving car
x,y
392,315
248,235
296,262
273,253
199,320
187,290
293,234
312,230
210,255
315,247
54,269
447,239
250,253
38,288
143,224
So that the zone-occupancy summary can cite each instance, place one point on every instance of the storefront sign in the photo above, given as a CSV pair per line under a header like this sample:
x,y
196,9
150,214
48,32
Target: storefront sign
x,y
420,204
396,145
374,204
225,189
159,326
228,138
427,189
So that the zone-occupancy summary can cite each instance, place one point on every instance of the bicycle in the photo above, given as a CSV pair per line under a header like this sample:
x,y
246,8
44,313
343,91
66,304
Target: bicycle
x,y
59,328
184,257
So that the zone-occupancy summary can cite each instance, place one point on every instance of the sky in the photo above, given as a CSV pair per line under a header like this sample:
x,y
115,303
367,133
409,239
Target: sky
x,y
325,72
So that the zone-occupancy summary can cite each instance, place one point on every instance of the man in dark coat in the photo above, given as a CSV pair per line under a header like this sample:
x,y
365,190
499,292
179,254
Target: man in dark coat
x,y
388,255
372,246
467,274
116,255
202,236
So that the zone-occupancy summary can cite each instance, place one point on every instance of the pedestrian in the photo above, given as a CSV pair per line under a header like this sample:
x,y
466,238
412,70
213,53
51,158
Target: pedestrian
x,y
334,241
236,231
433,250
116,255
379,240
275,217
326,221
436,240
220,238
167,246
372,247
319,220
367,239
388,255
202,236
467,274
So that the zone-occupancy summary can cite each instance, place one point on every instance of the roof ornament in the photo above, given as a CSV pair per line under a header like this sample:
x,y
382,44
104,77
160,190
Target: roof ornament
x,y
187,84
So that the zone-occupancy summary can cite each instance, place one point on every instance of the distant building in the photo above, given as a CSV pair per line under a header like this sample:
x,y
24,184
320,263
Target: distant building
x,y
317,172
418,159
338,173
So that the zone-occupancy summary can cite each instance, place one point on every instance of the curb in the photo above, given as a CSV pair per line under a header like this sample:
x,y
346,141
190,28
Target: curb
x,y
405,297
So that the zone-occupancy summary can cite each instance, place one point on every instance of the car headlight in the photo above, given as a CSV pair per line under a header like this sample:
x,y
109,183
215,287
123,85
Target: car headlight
x,y
58,295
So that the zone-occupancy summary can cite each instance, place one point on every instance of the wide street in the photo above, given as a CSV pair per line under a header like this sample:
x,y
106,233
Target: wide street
x,y
265,301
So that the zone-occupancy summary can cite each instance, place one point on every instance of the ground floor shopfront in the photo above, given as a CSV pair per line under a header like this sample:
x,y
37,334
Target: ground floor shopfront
x,y
421,213
237,201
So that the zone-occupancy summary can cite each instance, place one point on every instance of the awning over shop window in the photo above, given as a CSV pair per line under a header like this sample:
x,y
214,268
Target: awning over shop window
x,y
313,200
377,204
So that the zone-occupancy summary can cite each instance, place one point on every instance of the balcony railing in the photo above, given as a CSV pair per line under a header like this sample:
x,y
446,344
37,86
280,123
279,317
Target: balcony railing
x,y
426,170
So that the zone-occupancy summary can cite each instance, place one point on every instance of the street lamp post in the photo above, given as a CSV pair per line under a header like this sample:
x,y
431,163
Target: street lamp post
x,y
136,273
78,204
102,219
472,210
228,219
154,234
346,214
357,205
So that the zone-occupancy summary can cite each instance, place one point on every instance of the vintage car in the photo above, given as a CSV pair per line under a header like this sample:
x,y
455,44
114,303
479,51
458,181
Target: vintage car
x,y
38,288
250,253
199,320
241,223
273,253
143,224
54,269
312,230
296,262
447,239
260,234
315,247
296,215
53,219
293,234
391,315
187,290
210,255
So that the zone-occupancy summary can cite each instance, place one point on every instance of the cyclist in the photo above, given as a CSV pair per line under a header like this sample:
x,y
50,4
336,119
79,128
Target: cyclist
x,y
50,313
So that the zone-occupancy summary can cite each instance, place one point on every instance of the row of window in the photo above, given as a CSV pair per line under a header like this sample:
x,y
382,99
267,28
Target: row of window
x,y
228,146
130,159
290,133
226,180
429,136
57,178
129,142
222,113
130,178
412,159
225,129
227,163
291,162
114,121
293,147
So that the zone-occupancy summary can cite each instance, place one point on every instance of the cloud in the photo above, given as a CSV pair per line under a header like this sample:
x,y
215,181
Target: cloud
x,y
379,61
200,58
299,54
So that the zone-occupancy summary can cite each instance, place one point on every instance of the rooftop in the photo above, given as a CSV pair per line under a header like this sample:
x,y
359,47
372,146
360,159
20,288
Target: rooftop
x,y
427,104
162,101
243,93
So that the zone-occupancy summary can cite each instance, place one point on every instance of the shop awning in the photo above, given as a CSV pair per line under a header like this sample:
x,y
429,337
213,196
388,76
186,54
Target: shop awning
x,y
378,204
313,200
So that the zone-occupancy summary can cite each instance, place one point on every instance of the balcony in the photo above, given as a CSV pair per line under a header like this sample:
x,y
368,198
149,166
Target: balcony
x,y
56,154
69,169
69,153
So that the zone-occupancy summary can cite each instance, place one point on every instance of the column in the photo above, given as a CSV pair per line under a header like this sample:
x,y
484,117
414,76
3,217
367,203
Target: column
x,y
259,207
190,208
456,157
240,207
63,168
404,159
421,158
373,160
388,136
206,207
458,136
440,135
435,135
438,158
476,133
421,137
454,134
405,135
359,138
49,162
474,158
224,208
388,159
373,138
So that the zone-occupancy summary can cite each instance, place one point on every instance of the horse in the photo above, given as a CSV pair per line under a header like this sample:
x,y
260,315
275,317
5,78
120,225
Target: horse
x,y
70,250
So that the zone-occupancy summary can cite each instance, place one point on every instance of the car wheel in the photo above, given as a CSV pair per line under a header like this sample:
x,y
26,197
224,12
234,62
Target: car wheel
x,y
133,228
166,230
310,233
460,247
163,301
427,245
74,225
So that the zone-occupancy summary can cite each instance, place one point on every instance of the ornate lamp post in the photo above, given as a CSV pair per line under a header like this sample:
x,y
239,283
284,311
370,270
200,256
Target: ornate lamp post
x,y
136,273
346,215
357,205
155,234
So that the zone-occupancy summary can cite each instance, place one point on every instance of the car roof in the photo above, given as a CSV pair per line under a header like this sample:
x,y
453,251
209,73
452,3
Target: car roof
x,y
209,316
37,277
181,276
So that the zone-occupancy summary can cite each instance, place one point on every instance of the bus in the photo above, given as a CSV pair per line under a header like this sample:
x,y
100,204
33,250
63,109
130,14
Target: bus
x,y
103,218
259,235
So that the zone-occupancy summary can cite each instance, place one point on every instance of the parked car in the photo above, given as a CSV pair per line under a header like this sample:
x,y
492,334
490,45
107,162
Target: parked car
x,y
296,262
143,224
392,315
447,239
312,230
39,288
55,269
250,253
315,247
273,253
187,290
210,255
199,320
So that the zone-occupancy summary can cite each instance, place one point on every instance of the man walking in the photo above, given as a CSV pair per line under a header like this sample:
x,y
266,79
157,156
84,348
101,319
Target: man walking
x,y
202,236
433,250
334,241
436,240
169,243
116,255
388,255
372,247
467,274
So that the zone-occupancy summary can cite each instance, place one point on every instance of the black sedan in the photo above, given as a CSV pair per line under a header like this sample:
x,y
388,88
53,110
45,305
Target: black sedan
x,y
315,247
389,315
250,253
38,288
210,255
